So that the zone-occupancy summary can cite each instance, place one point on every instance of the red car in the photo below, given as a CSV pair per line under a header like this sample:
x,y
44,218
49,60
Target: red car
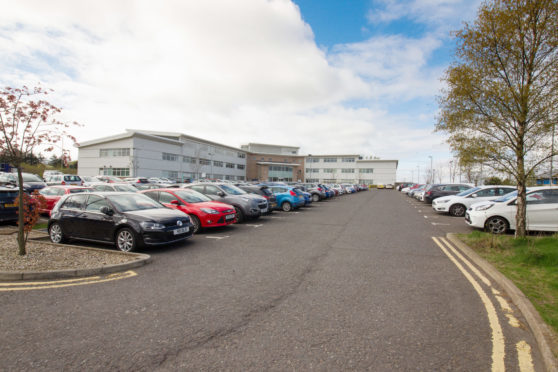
x,y
53,193
203,211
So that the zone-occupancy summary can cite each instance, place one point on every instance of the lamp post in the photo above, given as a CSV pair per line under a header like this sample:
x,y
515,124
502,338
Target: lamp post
x,y
210,153
418,173
431,174
552,155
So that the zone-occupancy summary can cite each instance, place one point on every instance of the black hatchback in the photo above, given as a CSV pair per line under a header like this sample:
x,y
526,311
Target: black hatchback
x,y
128,220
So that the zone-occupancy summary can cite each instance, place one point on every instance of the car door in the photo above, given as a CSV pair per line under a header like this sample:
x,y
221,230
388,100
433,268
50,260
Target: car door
x,y
70,213
490,193
95,224
213,192
542,210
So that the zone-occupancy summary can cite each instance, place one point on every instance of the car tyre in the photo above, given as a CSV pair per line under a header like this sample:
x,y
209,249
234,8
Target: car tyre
x,y
315,197
457,210
126,240
196,222
286,206
496,225
239,215
56,234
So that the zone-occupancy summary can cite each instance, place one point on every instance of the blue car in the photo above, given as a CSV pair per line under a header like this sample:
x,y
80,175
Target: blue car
x,y
288,198
307,196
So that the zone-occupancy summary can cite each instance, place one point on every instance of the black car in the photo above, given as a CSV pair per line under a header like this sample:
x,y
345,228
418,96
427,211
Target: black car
x,y
126,219
264,191
8,209
31,182
434,191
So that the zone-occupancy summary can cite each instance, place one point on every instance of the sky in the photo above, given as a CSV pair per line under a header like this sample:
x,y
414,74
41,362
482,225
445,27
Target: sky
x,y
329,76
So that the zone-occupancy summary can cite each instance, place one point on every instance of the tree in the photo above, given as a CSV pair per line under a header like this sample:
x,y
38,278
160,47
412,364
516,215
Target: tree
x,y
501,96
27,123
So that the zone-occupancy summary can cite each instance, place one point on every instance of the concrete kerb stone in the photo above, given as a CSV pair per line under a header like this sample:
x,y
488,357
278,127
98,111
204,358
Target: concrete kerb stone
x,y
546,340
140,260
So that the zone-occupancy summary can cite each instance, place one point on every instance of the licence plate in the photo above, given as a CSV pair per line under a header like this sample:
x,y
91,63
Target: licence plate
x,y
264,210
8,205
229,216
182,230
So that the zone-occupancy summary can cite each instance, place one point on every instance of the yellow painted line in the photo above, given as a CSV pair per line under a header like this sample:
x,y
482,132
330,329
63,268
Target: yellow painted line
x,y
498,344
469,264
66,283
19,284
524,357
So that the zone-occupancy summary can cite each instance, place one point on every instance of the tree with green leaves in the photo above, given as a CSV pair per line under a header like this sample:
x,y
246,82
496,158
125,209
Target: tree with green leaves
x,y
501,95
28,123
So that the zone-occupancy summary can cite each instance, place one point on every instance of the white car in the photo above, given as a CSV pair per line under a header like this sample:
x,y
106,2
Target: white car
x,y
457,205
498,216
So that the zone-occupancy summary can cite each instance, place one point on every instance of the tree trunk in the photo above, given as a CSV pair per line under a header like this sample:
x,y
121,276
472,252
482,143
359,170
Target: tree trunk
x,y
521,213
21,215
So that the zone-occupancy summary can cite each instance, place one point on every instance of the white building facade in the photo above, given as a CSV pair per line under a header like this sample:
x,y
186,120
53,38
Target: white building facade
x,y
349,168
161,154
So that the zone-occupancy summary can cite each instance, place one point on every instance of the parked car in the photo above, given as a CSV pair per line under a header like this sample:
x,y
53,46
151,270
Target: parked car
x,y
109,179
246,205
307,196
434,191
52,195
498,216
264,191
64,179
457,205
31,182
49,173
128,220
146,186
8,208
114,187
287,197
88,180
317,192
136,180
203,211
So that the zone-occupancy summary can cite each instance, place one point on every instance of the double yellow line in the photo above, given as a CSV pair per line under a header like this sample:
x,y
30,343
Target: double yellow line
x,y
473,275
31,285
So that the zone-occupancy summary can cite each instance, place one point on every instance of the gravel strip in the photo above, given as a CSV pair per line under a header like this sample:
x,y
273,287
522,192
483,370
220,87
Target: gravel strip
x,y
42,256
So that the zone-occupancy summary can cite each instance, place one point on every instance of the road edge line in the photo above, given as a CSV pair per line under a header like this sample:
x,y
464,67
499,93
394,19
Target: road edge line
x,y
542,332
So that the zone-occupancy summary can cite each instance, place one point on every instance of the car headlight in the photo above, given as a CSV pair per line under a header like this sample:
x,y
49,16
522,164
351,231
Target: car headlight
x,y
440,201
152,226
209,211
483,207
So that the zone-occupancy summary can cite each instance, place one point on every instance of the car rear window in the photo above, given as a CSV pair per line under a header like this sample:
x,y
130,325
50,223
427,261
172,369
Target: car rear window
x,y
77,191
7,196
72,178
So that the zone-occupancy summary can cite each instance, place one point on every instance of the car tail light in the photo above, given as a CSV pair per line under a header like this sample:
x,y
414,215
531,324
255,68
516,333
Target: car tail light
x,y
63,182
292,193
138,181
428,193
319,189
265,196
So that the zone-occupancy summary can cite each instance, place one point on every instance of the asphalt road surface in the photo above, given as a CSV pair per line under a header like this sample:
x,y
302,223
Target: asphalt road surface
x,y
353,283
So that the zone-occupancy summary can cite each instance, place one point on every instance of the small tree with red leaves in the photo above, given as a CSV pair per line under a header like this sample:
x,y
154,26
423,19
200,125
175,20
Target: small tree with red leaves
x,y
32,205
28,123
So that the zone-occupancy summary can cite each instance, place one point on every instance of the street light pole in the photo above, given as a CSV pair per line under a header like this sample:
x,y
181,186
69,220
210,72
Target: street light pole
x,y
431,174
552,155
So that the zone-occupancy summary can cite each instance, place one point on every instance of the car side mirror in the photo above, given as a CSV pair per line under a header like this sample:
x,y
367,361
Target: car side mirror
x,y
221,194
175,202
474,196
106,210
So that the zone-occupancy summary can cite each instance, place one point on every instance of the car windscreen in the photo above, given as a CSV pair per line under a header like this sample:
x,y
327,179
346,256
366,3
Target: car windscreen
x,y
133,202
27,177
191,196
233,190
506,197
7,196
125,188
468,191
75,191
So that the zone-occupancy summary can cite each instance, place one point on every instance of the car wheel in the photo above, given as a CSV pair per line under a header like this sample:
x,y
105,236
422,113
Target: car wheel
x,y
239,215
496,225
457,210
286,206
196,222
56,234
315,197
126,240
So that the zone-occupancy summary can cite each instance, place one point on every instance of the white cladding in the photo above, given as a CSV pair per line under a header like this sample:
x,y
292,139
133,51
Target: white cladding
x,y
147,155
349,169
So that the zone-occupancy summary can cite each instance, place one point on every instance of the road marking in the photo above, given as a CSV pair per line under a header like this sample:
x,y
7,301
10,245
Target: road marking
x,y
217,237
440,224
253,225
420,210
425,216
27,286
498,344
524,357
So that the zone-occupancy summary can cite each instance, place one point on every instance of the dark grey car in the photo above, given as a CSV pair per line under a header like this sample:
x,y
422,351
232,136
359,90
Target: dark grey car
x,y
246,205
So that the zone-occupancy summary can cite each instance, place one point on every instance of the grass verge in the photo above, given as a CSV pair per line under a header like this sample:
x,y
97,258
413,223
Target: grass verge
x,y
531,263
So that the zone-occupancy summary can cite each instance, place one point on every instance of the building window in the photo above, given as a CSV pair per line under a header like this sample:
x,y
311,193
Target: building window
x,y
187,159
348,160
366,170
366,182
312,170
217,163
205,162
173,175
241,155
313,160
240,178
330,160
347,170
230,165
170,157
240,166
118,172
329,170
109,153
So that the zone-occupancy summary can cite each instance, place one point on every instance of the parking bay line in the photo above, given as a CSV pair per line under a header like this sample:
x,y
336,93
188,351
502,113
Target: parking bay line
x,y
217,237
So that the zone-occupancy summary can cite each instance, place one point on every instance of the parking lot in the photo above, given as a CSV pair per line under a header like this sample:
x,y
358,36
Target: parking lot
x,y
355,282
